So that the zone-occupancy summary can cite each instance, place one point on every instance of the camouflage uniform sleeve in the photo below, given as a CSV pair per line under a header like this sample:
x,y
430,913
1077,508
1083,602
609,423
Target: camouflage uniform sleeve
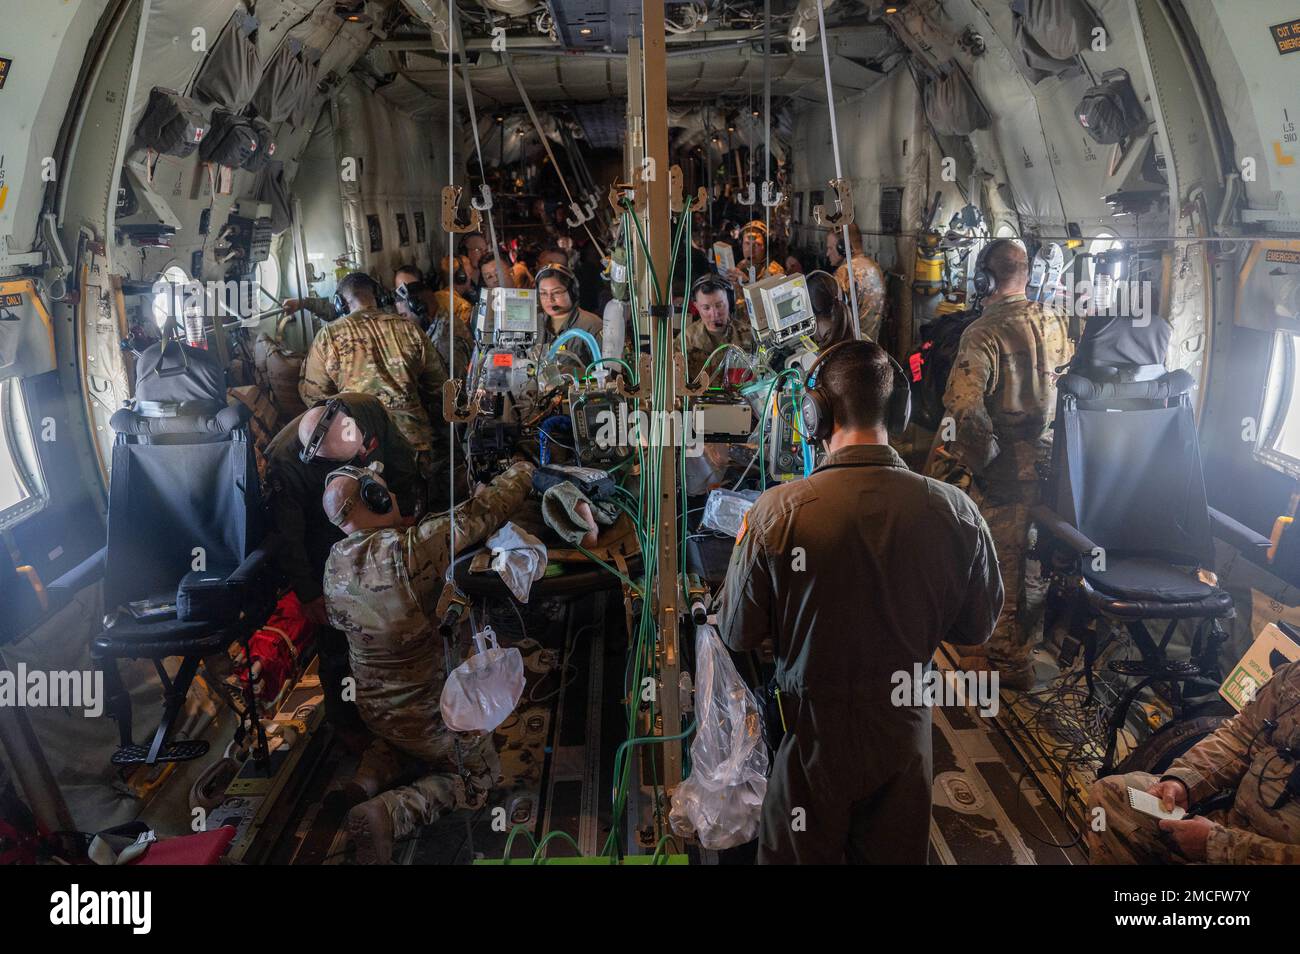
x,y
319,307
1218,762
316,380
1236,846
972,379
745,609
476,520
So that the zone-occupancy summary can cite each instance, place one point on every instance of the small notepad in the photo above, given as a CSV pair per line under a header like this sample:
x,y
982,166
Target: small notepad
x,y
1148,804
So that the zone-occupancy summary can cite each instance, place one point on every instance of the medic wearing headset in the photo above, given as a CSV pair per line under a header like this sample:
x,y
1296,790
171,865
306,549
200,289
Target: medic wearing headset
x,y
557,293
854,575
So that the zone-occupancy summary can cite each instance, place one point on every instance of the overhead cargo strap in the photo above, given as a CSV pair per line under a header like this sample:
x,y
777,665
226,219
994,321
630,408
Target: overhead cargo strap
x,y
546,145
843,216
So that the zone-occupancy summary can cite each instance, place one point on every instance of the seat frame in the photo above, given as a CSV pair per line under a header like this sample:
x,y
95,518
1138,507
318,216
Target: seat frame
x,y
1061,549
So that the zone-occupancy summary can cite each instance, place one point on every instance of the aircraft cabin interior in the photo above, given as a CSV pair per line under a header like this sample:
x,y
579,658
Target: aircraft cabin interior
x,y
710,432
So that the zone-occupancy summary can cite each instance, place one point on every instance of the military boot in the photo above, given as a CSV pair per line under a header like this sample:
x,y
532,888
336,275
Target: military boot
x,y
370,828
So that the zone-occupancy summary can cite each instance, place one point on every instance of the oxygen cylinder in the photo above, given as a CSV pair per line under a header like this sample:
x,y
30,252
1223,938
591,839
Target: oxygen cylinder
x,y
927,274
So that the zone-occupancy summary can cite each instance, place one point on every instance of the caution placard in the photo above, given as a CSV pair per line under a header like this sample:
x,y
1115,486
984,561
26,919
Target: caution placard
x,y
1272,648
1286,36
5,63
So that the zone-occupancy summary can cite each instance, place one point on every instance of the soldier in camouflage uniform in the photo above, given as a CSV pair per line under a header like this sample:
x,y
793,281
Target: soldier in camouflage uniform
x,y
999,406
1242,755
360,434
717,325
753,250
382,584
868,279
381,353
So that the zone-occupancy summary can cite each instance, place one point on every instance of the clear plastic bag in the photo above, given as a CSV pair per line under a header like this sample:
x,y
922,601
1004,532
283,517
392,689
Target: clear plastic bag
x,y
482,691
725,510
721,801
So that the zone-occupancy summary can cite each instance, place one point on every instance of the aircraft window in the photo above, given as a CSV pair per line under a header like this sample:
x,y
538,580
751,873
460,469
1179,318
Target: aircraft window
x,y
268,280
169,302
1279,442
21,490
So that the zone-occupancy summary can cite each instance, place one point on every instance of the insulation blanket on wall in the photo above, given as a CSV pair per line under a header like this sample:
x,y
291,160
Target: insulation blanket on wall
x,y
400,170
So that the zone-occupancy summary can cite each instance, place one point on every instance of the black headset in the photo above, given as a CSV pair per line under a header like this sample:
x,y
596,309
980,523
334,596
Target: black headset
x,y
373,494
815,406
985,281
340,303
709,282
563,274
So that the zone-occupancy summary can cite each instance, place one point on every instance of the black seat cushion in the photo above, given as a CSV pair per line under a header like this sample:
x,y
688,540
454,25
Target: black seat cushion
x,y
1152,589
130,639
1146,579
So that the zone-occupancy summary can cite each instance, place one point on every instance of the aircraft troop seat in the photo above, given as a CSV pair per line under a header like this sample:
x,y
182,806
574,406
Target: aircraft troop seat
x,y
186,566
1125,528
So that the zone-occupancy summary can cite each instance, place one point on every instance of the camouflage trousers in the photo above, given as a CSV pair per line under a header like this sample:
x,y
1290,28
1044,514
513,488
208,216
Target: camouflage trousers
x,y
1005,508
428,787
1127,836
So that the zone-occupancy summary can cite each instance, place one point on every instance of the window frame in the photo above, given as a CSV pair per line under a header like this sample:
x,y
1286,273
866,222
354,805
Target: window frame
x,y
20,447
1272,420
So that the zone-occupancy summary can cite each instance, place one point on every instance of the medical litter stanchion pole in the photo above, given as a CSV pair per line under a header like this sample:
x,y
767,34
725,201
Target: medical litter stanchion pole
x,y
767,122
451,376
660,223
839,172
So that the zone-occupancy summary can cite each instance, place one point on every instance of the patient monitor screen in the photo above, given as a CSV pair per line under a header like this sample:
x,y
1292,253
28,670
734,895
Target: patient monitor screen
x,y
516,310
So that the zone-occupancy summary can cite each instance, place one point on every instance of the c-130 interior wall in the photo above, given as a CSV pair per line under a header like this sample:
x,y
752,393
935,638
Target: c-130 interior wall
x,y
370,187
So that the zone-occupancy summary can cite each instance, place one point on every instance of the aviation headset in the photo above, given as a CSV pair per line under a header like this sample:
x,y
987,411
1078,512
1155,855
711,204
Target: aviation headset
x,y
985,281
709,282
373,494
340,303
815,406
561,272
412,294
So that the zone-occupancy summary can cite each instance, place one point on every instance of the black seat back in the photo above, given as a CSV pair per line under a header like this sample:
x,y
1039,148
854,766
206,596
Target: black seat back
x,y
167,499
1127,469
